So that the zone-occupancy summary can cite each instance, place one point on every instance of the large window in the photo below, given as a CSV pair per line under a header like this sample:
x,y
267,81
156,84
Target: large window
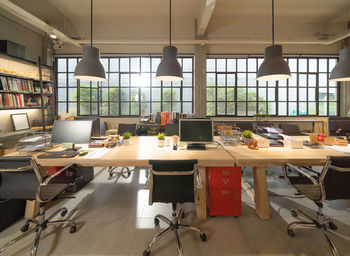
x,y
232,88
130,90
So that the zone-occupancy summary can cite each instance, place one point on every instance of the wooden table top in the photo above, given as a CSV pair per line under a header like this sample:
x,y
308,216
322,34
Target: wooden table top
x,y
141,150
277,156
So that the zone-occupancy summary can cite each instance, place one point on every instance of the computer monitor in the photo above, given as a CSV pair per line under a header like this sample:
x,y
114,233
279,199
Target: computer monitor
x,y
74,131
196,132
95,131
339,126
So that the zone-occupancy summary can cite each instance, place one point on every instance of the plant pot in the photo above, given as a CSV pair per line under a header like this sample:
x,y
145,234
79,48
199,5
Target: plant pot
x,y
246,140
267,118
127,142
161,143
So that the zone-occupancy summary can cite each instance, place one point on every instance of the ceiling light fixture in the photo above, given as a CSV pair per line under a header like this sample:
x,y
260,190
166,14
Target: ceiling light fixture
x,y
341,71
89,67
169,68
274,67
53,36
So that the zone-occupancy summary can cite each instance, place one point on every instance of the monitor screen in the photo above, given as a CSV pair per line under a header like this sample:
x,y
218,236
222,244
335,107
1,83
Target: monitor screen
x,y
77,132
95,131
196,130
20,121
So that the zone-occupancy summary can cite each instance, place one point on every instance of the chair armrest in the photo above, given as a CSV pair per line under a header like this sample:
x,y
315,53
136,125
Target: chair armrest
x,y
294,168
309,169
47,181
199,179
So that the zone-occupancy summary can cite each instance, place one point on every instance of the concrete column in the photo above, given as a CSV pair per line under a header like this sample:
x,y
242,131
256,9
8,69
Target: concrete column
x,y
200,80
344,98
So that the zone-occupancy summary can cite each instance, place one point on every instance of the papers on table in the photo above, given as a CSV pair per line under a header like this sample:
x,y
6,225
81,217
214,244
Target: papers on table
x,y
345,150
97,153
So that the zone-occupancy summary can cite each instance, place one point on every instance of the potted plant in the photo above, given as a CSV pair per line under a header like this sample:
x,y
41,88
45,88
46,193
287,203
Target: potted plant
x,y
126,138
161,138
257,117
247,135
267,117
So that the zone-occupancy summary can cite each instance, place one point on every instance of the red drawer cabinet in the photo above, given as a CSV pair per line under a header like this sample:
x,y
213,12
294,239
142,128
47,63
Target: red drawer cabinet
x,y
224,188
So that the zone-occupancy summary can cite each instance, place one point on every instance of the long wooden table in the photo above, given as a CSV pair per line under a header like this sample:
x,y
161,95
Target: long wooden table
x,y
144,148
274,156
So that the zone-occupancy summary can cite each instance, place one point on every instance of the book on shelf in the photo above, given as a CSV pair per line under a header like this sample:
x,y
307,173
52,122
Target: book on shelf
x,y
16,84
8,100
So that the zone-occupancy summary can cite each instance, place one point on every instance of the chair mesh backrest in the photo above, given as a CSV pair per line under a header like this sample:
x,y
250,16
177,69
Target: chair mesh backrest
x,y
17,184
290,129
171,129
173,188
337,183
127,128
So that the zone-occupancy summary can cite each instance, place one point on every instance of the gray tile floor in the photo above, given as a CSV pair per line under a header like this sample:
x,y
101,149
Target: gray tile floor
x,y
114,218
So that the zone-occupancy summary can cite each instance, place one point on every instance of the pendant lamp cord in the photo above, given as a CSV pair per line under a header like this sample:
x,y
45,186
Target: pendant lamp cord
x,y
273,22
91,20
170,23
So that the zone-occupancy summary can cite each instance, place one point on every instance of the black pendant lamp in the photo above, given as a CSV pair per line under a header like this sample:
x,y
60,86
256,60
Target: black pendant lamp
x,y
169,68
89,67
341,71
274,67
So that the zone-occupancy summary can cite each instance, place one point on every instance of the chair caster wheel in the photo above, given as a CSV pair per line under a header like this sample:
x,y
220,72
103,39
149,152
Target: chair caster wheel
x,y
183,215
293,213
25,227
156,221
332,226
64,212
146,253
203,237
110,174
290,233
73,229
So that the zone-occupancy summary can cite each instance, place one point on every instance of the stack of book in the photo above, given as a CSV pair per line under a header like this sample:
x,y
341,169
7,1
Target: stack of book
x,y
167,117
8,100
16,84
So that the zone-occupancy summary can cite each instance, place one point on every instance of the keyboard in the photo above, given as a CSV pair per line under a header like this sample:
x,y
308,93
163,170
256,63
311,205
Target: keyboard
x,y
59,154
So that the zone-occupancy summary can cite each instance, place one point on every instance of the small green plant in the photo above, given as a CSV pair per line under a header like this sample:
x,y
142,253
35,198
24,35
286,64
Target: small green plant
x,y
267,115
257,115
247,134
161,136
126,135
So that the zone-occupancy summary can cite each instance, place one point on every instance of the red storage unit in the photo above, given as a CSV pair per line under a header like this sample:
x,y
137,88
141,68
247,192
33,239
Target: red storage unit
x,y
224,188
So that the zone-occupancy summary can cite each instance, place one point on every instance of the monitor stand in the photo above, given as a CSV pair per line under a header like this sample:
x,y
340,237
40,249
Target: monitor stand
x,y
196,146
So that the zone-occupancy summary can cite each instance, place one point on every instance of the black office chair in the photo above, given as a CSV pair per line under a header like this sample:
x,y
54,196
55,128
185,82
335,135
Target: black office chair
x,y
125,172
20,178
291,129
245,126
171,129
173,181
331,184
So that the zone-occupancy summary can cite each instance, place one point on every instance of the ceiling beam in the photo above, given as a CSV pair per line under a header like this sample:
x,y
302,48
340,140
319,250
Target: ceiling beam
x,y
207,10
36,22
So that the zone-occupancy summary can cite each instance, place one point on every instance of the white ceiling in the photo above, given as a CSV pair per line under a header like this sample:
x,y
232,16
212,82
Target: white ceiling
x,y
297,20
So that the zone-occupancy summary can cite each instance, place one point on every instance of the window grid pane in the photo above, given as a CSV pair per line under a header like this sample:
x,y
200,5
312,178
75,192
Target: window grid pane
x,y
232,89
130,90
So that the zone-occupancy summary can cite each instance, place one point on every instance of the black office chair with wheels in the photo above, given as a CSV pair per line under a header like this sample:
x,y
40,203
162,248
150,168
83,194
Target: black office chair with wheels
x,y
331,184
125,172
291,129
20,178
171,129
173,181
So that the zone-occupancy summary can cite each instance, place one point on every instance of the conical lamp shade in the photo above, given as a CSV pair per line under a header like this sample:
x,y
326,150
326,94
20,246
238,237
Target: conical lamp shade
x,y
274,67
169,68
341,71
89,67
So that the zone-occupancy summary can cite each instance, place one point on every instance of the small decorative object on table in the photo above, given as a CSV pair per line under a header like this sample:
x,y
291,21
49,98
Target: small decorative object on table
x,y
247,136
161,138
126,137
231,137
253,144
175,142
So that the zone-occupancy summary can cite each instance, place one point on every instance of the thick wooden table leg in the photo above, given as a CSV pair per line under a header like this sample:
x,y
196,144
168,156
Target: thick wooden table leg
x,y
202,195
261,195
32,209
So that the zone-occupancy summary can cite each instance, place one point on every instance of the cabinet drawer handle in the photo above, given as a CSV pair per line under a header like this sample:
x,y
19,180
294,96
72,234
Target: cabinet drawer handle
x,y
225,173
226,192
225,181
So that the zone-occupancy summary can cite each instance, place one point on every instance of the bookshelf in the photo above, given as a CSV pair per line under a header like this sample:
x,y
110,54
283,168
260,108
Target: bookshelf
x,y
27,85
